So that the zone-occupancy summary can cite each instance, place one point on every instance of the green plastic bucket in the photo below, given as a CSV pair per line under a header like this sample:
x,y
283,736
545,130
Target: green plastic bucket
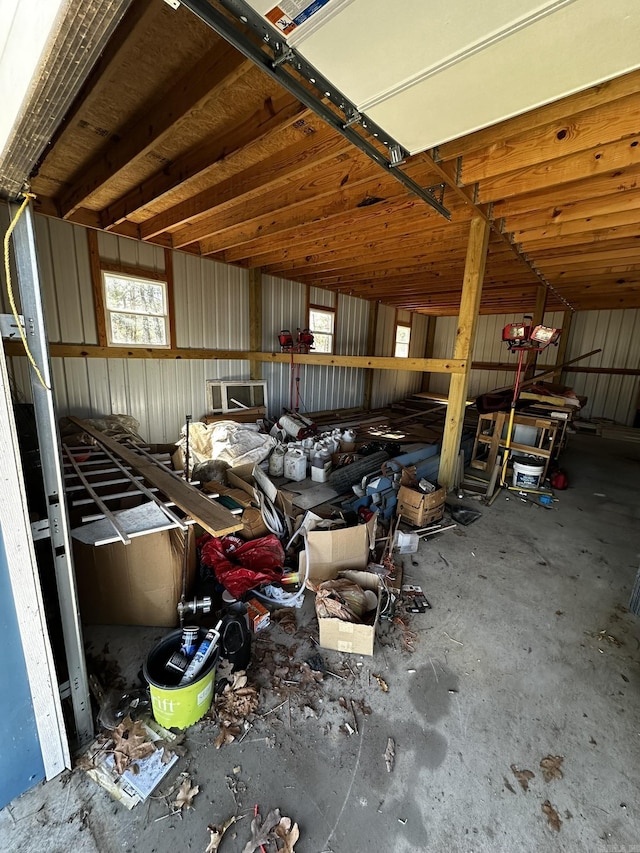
x,y
174,706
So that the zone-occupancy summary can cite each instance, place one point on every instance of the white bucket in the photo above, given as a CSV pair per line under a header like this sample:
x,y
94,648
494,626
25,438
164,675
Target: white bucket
x,y
527,476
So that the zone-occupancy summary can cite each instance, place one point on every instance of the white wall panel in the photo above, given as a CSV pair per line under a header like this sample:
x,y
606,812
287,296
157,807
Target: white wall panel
x,y
322,296
389,385
352,326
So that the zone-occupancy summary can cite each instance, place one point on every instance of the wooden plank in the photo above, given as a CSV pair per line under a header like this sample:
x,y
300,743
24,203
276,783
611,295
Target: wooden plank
x,y
585,164
217,520
590,215
171,297
568,135
259,129
596,96
372,327
255,320
96,287
218,69
538,317
428,350
465,335
435,365
265,176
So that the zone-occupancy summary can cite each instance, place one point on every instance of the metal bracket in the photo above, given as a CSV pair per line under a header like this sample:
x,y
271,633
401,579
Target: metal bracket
x,y
175,4
437,191
459,172
284,54
435,154
396,155
9,327
352,117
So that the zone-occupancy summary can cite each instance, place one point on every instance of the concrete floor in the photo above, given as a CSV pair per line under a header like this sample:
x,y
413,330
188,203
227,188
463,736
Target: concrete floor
x,y
509,667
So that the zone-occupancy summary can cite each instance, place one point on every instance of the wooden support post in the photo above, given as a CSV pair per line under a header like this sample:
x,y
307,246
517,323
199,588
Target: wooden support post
x,y
562,345
255,320
428,349
371,349
467,323
538,318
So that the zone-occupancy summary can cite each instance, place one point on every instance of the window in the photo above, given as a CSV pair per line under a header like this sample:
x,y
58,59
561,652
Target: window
x,y
403,337
136,310
322,323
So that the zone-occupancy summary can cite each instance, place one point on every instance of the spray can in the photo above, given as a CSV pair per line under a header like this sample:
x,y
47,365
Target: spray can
x,y
206,648
189,642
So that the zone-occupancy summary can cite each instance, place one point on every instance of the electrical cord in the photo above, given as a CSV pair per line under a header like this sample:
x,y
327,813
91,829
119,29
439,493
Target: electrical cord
x,y
7,270
270,515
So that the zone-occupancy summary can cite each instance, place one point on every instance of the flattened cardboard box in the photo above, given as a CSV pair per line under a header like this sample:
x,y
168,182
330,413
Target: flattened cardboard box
x,y
348,636
331,551
135,584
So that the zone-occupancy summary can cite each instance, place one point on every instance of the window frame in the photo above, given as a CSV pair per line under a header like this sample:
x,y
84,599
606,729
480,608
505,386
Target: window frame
x,y
396,342
135,275
325,309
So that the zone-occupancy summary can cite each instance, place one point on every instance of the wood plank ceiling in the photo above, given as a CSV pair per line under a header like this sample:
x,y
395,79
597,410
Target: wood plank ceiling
x,y
178,140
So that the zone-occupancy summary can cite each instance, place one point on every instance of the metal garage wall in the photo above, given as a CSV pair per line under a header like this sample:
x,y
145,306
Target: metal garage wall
x,y
488,348
391,385
211,310
618,334
284,306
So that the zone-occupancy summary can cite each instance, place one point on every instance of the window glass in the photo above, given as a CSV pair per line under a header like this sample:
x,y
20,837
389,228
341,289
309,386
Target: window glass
x,y
136,311
322,324
403,339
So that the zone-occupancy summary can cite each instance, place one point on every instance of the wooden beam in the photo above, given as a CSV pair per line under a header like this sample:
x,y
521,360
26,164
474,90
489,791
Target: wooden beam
x,y
265,176
538,318
435,365
218,69
260,129
563,343
255,320
558,111
465,336
568,135
372,328
96,287
215,519
428,349
171,297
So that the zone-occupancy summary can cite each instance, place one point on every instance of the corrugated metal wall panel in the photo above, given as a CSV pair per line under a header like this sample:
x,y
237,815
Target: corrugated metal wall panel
x,y
617,333
388,385
353,324
133,253
320,296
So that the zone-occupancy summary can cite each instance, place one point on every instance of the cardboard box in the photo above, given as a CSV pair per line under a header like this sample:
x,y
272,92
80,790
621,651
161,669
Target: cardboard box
x,y
348,636
332,551
253,526
414,506
258,616
135,584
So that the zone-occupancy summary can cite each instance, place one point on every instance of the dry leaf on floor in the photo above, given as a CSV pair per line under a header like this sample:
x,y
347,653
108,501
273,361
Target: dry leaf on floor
x,y
130,743
309,712
224,669
552,816
261,830
217,832
184,798
522,776
287,833
286,618
551,767
382,684
390,754
310,676
227,734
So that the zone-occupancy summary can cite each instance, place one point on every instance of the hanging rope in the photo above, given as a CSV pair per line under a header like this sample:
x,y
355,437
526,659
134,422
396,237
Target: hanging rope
x,y
7,270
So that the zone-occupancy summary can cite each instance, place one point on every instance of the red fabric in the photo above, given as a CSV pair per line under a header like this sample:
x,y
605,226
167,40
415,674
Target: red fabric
x,y
241,567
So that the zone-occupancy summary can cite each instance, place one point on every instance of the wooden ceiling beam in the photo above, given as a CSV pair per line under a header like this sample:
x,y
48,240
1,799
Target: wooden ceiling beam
x,y
217,70
575,167
558,111
201,162
262,177
583,226
570,135
565,242
355,173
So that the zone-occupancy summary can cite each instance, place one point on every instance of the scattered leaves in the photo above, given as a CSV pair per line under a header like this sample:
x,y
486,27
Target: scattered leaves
x,y
227,734
238,700
309,712
130,743
523,777
224,670
288,834
286,618
187,792
552,816
390,754
382,684
551,767
217,831
310,676
261,831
